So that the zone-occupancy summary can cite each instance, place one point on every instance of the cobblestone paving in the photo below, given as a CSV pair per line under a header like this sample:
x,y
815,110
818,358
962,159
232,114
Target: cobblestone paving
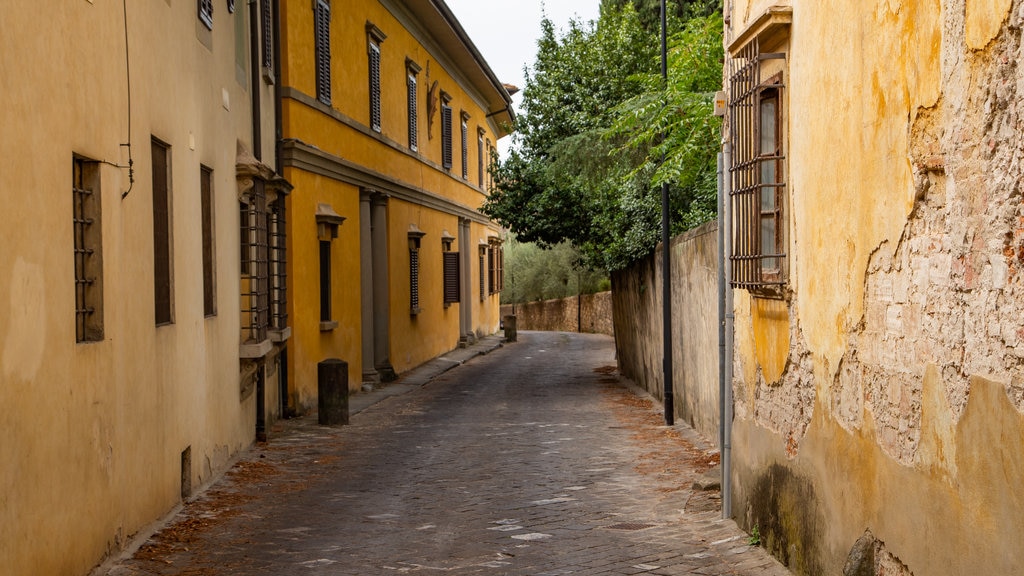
x,y
531,460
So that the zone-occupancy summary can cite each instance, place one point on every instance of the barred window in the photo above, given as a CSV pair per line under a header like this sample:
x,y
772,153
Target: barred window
x,y
206,13
757,172
322,30
85,193
278,265
255,292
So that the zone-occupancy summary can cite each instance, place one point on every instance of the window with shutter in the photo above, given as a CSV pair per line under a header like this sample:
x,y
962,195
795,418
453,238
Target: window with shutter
x,y
411,70
480,157
465,146
446,135
451,278
206,13
375,87
415,235
322,25
483,273
267,59
209,269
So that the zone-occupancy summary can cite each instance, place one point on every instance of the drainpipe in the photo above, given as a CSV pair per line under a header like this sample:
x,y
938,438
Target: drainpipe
x,y
666,256
728,329
257,152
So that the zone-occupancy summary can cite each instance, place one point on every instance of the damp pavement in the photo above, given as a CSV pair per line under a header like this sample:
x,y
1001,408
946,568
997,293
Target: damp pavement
x,y
528,458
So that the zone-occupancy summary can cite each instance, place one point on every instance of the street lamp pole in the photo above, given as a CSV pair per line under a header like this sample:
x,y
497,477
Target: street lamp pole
x,y
666,259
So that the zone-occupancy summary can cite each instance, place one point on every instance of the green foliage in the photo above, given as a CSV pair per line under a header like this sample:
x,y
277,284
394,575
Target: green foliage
x,y
586,166
533,273
650,10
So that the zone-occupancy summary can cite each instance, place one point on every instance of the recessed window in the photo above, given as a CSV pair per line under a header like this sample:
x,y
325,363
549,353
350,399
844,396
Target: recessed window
x,y
495,266
85,192
206,13
450,268
465,144
267,32
162,242
483,271
255,293
327,223
209,266
415,236
758,258
411,72
446,131
374,38
480,156
322,31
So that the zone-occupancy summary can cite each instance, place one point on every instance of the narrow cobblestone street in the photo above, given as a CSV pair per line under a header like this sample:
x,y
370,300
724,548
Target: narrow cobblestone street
x,y
530,460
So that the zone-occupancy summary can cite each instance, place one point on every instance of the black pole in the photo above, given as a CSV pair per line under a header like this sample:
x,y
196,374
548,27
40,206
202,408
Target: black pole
x,y
666,257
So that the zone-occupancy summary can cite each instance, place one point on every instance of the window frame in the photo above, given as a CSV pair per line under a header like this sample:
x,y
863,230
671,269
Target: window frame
x,y
322,49
163,233
205,12
757,172
451,272
446,132
412,71
374,38
209,250
87,222
464,126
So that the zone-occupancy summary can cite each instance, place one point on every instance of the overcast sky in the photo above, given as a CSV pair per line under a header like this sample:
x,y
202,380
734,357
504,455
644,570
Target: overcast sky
x,y
506,32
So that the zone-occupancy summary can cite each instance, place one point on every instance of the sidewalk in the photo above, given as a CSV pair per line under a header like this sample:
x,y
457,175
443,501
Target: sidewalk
x,y
424,373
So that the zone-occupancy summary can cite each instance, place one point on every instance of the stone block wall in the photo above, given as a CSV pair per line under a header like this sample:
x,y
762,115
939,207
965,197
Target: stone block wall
x,y
591,313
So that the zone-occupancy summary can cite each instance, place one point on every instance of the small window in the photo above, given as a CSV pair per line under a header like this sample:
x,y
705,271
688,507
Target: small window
x,y
374,39
411,72
415,235
85,192
267,32
483,273
446,132
465,145
322,26
209,265
495,266
206,13
325,281
450,265
758,259
480,157
162,243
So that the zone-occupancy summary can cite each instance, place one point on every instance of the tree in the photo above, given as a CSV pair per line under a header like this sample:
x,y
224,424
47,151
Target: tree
x,y
582,168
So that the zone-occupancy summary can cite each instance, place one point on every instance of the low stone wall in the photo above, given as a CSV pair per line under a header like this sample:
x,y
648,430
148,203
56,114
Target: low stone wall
x,y
591,313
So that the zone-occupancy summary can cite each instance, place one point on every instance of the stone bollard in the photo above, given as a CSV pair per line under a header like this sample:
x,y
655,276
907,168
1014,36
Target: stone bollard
x,y
510,328
332,392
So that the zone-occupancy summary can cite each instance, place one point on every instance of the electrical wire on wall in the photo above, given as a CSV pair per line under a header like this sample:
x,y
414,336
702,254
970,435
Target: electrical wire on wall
x,y
128,78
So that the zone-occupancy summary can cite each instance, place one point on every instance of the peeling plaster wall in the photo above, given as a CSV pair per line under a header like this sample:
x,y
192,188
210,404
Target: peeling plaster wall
x,y
900,405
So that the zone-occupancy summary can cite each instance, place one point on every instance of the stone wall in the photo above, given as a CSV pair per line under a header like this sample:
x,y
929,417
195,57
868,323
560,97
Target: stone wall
x,y
591,313
638,320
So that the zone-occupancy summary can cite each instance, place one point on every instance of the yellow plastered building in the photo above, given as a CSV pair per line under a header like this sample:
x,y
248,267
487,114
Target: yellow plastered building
x,y
390,117
140,328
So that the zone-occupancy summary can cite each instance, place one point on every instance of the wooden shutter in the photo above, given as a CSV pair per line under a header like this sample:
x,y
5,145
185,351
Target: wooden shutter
x,y
268,36
161,233
446,136
451,277
413,126
414,280
322,23
375,86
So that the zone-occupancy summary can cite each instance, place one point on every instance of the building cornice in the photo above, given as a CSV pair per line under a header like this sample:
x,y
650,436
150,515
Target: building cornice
x,y
298,154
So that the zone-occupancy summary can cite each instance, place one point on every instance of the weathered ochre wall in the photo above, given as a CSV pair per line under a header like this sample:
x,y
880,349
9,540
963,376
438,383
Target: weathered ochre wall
x,y
637,312
590,313
93,432
897,405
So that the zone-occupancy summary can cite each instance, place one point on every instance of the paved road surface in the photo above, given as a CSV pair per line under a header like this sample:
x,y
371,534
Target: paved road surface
x,y
530,460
